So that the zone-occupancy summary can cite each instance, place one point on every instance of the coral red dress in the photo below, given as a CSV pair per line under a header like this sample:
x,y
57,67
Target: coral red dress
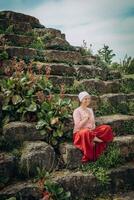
x,y
83,135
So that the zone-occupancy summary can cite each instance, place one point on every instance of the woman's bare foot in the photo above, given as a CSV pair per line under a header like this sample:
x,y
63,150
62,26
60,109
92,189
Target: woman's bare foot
x,y
96,139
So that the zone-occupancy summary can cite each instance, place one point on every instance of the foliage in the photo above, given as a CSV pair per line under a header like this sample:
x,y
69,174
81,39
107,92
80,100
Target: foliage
x,y
3,55
106,54
100,63
29,97
109,159
77,87
127,65
127,84
9,29
47,37
11,198
50,190
37,43
84,50
105,108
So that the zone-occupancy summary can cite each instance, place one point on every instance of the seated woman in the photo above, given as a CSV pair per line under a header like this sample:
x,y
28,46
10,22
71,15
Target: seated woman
x,y
91,140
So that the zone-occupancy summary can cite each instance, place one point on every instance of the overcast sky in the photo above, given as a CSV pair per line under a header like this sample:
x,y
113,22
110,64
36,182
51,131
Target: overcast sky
x,y
97,22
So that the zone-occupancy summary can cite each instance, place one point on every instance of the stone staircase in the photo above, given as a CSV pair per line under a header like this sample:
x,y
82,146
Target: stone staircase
x,y
67,66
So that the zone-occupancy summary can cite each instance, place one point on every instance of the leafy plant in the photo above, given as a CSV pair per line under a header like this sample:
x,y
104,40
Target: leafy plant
x,y
106,54
84,50
11,198
105,108
56,192
29,97
127,65
50,190
9,29
37,43
4,55
109,159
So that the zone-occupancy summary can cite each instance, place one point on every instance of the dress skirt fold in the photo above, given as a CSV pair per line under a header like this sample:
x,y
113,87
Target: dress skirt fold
x,y
83,140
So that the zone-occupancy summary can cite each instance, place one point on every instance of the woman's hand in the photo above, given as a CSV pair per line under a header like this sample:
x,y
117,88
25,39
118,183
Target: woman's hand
x,y
86,115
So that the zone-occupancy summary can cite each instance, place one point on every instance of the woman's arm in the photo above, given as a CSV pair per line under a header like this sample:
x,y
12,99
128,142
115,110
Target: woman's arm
x,y
77,119
93,118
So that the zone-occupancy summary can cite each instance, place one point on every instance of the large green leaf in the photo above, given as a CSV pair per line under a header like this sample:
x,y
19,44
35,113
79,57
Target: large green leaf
x,y
45,106
41,124
16,99
32,107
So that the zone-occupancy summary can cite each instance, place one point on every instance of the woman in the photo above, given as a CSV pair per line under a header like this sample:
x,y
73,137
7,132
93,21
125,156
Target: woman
x,y
91,140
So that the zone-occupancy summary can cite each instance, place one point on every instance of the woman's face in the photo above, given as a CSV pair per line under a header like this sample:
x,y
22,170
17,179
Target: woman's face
x,y
86,101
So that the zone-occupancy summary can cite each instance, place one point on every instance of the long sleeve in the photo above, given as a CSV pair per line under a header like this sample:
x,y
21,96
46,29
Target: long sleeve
x,y
80,122
92,118
77,119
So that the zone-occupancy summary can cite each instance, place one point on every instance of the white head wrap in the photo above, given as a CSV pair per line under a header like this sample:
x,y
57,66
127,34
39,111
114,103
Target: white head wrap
x,y
82,95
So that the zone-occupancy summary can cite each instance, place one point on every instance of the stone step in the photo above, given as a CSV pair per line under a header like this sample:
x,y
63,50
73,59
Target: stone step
x,y
121,124
7,165
129,195
101,87
21,190
20,52
17,132
16,40
49,31
72,57
30,41
84,185
63,69
114,99
21,131
72,156
79,71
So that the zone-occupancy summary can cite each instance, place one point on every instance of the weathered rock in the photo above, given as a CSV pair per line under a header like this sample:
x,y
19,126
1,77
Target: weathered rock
x,y
126,145
72,156
90,71
16,40
112,86
21,131
93,85
114,99
6,168
99,86
18,27
58,80
85,185
57,43
21,190
114,74
128,82
63,56
49,32
20,52
122,124
37,154
81,185
19,17
94,103
61,69
123,196
122,177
